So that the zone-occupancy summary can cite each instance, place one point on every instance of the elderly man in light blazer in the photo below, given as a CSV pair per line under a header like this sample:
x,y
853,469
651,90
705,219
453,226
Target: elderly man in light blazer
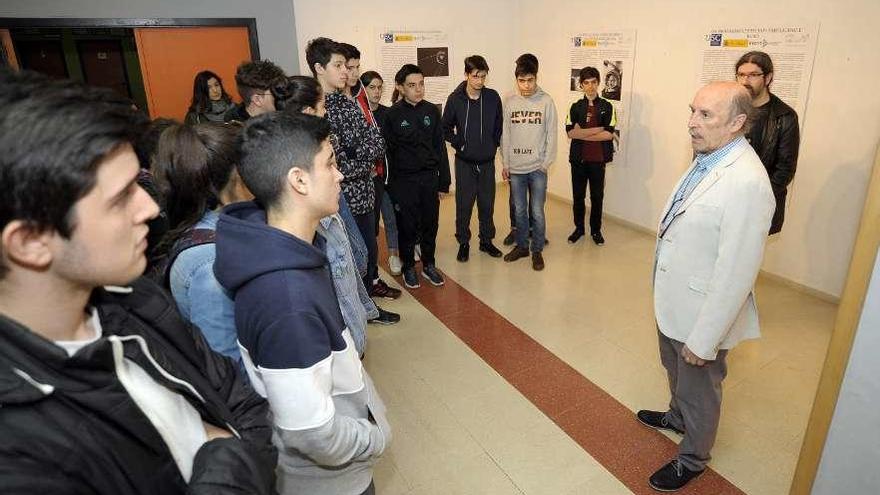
x,y
710,244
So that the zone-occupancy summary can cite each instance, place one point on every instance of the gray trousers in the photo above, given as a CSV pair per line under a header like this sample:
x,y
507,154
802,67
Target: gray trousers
x,y
695,403
474,183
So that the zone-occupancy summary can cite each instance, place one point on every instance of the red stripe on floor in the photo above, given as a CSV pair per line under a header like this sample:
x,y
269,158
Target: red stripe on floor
x,y
601,425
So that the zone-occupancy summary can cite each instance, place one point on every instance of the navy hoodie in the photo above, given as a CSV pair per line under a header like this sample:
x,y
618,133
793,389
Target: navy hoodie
x,y
473,127
329,421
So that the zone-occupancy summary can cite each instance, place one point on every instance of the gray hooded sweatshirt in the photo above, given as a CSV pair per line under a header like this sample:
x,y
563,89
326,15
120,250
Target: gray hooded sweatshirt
x,y
528,141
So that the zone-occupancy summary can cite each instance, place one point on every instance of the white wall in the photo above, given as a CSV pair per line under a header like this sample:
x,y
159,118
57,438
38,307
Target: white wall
x,y
275,23
841,125
487,28
850,458
840,132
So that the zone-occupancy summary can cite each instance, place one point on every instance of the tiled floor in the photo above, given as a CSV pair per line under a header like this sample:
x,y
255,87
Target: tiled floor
x,y
462,382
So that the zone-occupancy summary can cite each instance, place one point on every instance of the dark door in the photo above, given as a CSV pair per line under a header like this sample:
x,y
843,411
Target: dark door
x,y
45,56
103,64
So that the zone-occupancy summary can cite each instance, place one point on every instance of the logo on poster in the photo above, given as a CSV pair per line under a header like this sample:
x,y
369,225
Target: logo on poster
x,y
715,39
736,43
388,38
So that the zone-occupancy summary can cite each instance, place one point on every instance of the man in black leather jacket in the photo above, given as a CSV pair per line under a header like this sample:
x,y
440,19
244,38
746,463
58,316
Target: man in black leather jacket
x,y
774,135
104,389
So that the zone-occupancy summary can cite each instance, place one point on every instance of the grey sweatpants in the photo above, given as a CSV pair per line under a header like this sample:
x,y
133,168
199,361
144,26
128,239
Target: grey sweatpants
x,y
474,183
695,402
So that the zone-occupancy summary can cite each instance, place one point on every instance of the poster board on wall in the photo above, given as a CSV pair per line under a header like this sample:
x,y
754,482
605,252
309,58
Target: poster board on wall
x,y
612,53
791,47
430,50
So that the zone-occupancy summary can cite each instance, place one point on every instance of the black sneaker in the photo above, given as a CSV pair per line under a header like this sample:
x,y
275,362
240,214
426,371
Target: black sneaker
x,y
385,317
516,253
672,477
432,275
381,289
490,249
510,239
575,236
410,278
598,239
464,252
656,420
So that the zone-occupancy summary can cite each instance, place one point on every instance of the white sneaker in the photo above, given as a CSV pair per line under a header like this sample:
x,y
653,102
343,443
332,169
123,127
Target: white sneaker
x,y
395,264
417,253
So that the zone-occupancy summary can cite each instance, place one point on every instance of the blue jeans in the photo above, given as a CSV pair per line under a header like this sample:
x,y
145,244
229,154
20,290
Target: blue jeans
x,y
529,189
351,294
390,220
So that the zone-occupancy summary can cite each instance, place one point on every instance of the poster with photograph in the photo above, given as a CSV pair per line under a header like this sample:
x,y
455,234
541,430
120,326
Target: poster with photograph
x,y
427,49
792,49
612,53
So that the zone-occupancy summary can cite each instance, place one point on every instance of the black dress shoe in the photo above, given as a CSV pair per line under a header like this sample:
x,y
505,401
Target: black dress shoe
x,y
656,420
575,236
510,239
672,477
537,262
490,249
464,252
598,239
516,253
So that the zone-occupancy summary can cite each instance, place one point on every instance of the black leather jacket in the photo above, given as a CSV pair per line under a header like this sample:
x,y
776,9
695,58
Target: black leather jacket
x,y
68,426
778,151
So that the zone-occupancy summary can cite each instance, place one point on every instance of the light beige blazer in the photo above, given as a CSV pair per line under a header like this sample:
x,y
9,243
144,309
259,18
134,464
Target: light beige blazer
x,y
708,258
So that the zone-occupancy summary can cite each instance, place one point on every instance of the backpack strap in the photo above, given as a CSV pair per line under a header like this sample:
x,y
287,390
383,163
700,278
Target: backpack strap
x,y
190,239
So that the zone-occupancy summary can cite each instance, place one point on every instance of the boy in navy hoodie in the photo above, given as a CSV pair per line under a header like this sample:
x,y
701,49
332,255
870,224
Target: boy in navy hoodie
x,y
329,421
472,125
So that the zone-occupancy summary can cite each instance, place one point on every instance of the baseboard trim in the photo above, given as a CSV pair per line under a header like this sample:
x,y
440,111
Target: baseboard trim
x,y
791,284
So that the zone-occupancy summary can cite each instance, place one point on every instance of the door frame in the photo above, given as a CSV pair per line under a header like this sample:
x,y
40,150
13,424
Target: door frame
x,y
73,22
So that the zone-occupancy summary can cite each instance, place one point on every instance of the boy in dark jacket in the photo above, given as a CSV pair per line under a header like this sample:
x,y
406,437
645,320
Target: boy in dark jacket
x,y
590,126
418,172
472,125
357,145
103,390
329,421
254,81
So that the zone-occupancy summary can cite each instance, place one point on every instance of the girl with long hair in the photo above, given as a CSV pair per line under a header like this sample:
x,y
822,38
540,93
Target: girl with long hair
x,y
209,100
195,170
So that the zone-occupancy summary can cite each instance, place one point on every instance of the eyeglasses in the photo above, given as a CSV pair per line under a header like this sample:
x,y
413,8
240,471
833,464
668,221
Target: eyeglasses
x,y
753,75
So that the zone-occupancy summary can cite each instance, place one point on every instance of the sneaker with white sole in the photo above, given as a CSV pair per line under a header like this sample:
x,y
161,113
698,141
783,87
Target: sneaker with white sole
x,y
385,317
395,265
431,273
411,278
381,289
